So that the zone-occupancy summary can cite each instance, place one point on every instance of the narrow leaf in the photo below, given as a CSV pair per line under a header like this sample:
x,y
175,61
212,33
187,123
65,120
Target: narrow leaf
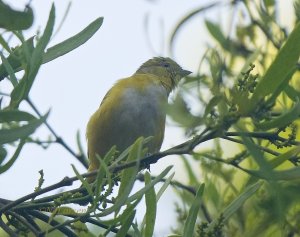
x,y
7,116
9,69
21,91
73,42
59,49
265,167
150,199
284,62
282,120
8,164
186,19
237,203
11,19
85,184
289,174
285,156
14,58
189,225
127,178
126,225
123,216
215,31
141,192
164,187
13,134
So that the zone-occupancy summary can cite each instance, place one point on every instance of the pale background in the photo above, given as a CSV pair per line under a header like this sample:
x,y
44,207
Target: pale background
x,y
74,85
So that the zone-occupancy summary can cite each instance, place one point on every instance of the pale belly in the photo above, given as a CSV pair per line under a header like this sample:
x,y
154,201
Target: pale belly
x,y
139,114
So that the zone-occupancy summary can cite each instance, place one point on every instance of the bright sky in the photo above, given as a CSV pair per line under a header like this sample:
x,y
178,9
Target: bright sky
x,y
74,85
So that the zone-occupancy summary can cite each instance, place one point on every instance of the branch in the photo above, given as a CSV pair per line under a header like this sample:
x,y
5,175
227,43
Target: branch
x,y
46,219
58,139
97,223
184,148
181,149
262,135
25,222
64,182
7,229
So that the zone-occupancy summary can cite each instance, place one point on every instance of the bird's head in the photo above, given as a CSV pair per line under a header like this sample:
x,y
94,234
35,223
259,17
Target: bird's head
x,y
167,70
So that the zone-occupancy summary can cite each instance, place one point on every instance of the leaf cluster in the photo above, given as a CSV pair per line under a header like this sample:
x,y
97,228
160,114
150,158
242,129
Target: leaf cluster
x,y
246,91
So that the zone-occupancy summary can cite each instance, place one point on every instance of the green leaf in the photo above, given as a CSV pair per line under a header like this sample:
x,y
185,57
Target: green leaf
x,y
7,116
160,192
103,173
128,177
56,50
150,199
189,170
179,111
215,31
126,225
73,42
256,153
284,62
141,192
285,156
187,19
22,90
164,187
292,93
288,174
283,120
123,216
212,103
85,184
4,44
15,58
240,200
9,69
7,165
13,134
15,20
189,225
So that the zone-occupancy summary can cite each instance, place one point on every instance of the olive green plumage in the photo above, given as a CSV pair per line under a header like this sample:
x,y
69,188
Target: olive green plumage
x,y
133,107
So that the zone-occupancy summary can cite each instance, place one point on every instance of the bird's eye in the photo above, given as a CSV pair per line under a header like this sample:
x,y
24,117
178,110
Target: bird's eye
x,y
166,65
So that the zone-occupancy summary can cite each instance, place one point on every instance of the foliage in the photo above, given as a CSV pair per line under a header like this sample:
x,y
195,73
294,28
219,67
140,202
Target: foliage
x,y
247,98
247,92
52,214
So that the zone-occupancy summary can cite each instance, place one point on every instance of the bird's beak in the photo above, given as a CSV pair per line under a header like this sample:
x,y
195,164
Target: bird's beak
x,y
184,73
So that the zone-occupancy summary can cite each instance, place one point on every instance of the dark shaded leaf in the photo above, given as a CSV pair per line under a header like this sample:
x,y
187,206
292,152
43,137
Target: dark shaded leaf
x,y
13,134
15,20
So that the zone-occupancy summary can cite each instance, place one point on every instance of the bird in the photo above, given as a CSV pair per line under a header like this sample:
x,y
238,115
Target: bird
x,y
135,106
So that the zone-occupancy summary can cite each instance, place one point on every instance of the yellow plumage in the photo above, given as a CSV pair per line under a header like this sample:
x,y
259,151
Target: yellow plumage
x,y
133,107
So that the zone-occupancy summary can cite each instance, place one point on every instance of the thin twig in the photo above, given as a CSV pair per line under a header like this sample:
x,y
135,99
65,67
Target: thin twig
x,y
262,148
30,220
47,220
58,139
65,182
8,230
183,148
22,220
190,189
261,135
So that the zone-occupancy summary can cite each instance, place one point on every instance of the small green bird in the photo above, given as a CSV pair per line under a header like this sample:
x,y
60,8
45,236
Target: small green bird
x,y
133,107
